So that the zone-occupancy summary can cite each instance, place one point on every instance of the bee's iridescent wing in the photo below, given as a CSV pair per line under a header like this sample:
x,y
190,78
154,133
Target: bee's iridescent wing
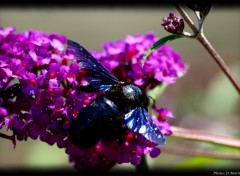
x,y
97,75
140,121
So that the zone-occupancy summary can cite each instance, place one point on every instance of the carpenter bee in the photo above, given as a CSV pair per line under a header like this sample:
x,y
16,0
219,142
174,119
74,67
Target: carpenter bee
x,y
122,106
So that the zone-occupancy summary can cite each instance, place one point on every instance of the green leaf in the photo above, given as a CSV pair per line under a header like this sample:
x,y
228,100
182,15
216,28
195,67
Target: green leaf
x,y
159,43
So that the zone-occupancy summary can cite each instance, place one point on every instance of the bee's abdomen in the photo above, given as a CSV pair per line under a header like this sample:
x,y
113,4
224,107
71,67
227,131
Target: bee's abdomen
x,y
100,120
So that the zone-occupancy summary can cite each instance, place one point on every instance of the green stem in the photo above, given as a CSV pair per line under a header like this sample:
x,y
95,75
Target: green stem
x,y
157,91
143,166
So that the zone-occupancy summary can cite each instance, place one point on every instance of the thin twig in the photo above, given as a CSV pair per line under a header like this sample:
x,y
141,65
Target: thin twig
x,y
205,136
187,18
11,138
196,152
202,39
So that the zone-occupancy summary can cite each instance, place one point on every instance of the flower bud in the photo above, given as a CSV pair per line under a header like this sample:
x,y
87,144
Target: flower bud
x,y
173,24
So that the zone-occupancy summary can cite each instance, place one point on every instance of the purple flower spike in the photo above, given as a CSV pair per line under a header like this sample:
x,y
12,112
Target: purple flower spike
x,y
39,96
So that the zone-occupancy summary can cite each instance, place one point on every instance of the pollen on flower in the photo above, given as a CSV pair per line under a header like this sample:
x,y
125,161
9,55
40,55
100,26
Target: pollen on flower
x,y
33,82
129,137
86,102
52,100
69,76
67,122
55,51
160,117
98,147
75,113
139,75
11,123
65,61
38,65
52,75
38,103
149,144
133,152
164,74
24,64
50,90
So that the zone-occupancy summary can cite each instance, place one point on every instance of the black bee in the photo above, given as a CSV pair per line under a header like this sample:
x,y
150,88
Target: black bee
x,y
123,106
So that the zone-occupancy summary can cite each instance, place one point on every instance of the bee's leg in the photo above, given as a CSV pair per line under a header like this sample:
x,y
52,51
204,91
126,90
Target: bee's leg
x,y
87,88
153,100
10,93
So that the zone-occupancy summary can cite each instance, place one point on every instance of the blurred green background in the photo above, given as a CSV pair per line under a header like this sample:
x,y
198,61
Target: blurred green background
x,y
203,99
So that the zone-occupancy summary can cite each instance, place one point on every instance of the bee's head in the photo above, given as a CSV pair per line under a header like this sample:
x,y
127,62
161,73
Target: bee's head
x,y
128,96
136,95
